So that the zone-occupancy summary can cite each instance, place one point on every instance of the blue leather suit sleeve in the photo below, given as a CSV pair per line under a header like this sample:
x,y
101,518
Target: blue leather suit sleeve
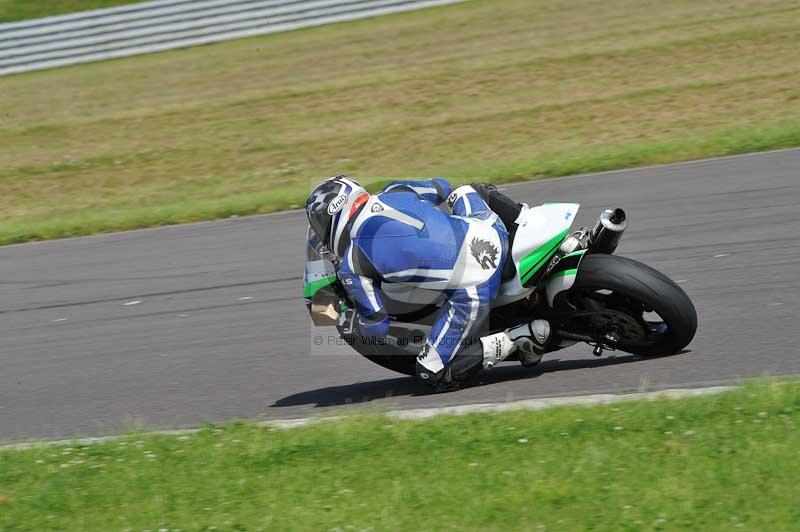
x,y
433,190
373,328
366,297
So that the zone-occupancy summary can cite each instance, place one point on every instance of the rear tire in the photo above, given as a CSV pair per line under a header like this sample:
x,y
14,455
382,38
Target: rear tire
x,y
648,286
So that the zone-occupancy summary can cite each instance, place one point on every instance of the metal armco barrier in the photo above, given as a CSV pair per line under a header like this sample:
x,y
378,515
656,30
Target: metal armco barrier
x,y
161,25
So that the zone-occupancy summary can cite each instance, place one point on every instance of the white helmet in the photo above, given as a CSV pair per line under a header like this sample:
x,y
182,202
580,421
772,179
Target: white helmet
x,y
330,206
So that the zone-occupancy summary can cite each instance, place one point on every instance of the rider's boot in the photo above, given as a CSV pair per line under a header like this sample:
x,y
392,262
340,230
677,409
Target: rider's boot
x,y
529,340
496,348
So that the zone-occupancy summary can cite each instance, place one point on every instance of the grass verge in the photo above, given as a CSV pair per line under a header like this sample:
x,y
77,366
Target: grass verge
x,y
484,89
709,463
15,10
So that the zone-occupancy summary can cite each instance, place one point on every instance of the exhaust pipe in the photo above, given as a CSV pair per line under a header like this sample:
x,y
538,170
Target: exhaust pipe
x,y
607,232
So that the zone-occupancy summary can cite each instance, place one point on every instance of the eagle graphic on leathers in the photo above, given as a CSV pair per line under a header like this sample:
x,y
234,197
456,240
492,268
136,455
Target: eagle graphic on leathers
x,y
484,252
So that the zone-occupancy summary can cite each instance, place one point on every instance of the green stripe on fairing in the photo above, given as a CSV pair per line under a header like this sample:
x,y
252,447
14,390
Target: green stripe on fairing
x,y
533,262
315,286
565,273
579,252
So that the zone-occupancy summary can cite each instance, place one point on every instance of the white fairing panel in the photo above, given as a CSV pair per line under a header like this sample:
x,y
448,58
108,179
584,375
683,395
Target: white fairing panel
x,y
563,280
537,226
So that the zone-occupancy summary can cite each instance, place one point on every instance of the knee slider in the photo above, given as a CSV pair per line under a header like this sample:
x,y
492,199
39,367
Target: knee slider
x,y
457,194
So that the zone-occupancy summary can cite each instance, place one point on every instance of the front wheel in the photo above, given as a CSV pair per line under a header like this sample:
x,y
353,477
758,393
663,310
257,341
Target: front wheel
x,y
629,306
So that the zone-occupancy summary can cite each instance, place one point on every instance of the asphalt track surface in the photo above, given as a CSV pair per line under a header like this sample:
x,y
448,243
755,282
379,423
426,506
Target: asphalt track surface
x,y
177,326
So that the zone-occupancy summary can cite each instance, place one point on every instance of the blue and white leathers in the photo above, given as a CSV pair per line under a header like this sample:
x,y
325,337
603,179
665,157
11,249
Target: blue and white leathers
x,y
424,234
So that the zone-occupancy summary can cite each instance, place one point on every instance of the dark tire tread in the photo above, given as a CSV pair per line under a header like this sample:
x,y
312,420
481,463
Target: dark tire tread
x,y
649,286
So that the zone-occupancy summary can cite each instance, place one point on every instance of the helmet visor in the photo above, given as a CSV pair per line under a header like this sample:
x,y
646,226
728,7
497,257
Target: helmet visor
x,y
320,222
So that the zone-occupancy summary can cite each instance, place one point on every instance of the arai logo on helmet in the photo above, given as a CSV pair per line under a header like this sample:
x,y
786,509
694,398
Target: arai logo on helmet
x,y
337,204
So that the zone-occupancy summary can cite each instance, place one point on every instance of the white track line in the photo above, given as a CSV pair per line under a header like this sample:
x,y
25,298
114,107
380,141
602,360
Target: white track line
x,y
423,413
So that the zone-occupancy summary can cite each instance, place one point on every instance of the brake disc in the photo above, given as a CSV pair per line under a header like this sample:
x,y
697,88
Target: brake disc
x,y
618,327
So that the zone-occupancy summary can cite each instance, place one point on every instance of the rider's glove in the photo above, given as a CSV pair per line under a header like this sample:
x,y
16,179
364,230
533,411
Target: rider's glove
x,y
376,326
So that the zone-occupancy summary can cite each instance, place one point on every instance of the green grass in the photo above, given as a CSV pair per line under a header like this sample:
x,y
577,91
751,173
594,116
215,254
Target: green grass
x,y
496,90
710,463
14,10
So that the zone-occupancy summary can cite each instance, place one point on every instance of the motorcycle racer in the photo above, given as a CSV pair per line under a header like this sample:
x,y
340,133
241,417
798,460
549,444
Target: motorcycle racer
x,y
425,234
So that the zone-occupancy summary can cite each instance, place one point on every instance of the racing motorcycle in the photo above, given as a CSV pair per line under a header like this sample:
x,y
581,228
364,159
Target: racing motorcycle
x,y
574,280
